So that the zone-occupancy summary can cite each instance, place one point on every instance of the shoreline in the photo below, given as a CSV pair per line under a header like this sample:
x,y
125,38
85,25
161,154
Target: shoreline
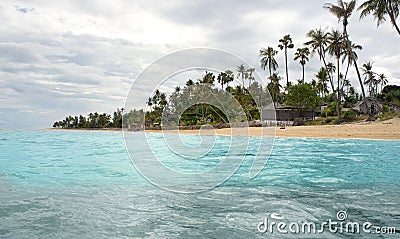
x,y
385,130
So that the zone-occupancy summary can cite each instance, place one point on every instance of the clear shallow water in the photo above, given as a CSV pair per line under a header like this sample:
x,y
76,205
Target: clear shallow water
x,y
75,184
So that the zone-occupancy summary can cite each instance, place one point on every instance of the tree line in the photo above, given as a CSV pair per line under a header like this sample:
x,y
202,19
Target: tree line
x,y
93,120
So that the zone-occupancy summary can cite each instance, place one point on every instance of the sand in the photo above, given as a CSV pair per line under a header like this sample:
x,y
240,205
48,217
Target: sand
x,y
389,129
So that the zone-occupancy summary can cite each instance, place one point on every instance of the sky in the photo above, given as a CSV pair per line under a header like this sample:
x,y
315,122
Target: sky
x,y
70,57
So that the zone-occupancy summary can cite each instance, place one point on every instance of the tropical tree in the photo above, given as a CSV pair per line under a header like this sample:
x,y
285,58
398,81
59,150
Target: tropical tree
x,y
382,79
208,78
303,96
335,49
343,12
274,87
249,75
268,59
322,86
319,43
241,73
369,77
302,55
379,9
286,43
224,78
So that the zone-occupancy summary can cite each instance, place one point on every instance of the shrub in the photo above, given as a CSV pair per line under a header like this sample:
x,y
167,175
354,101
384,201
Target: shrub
x,y
328,120
385,108
349,114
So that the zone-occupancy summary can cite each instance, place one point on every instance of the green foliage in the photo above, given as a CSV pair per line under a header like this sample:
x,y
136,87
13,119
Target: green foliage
x,y
385,108
350,100
350,114
94,120
330,110
303,96
394,97
389,115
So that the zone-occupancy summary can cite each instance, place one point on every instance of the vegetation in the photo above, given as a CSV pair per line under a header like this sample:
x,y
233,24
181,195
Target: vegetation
x,y
380,9
94,120
303,96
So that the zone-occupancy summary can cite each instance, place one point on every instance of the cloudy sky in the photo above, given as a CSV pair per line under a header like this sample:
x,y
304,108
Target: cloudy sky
x,y
74,57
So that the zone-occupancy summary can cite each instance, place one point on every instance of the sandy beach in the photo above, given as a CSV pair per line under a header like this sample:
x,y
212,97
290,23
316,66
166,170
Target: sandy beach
x,y
389,129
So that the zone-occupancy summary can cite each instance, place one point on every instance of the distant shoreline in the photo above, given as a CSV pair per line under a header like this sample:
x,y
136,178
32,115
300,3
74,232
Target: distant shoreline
x,y
389,130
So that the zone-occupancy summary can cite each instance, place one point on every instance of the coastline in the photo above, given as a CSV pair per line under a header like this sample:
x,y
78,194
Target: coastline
x,y
386,130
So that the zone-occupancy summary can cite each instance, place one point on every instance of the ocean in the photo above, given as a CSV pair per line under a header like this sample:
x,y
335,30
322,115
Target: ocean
x,y
80,184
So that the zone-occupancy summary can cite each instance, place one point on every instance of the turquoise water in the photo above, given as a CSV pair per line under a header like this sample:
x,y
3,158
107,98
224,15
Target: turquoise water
x,y
76,184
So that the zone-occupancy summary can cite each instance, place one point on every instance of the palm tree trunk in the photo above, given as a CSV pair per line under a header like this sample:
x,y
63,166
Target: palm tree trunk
x,y
286,66
389,9
303,73
338,89
270,72
359,79
358,72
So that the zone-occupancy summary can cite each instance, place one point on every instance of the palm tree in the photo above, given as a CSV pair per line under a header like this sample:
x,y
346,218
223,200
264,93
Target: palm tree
x,y
285,43
208,78
335,49
302,54
352,57
369,77
274,87
268,60
342,11
322,77
241,72
379,9
382,80
319,43
249,75
224,78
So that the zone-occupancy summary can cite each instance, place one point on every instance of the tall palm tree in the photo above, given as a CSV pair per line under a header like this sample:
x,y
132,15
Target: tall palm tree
x,y
286,43
241,73
249,75
369,77
274,87
302,55
225,77
322,77
342,11
319,43
335,49
268,59
383,80
379,9
352,57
